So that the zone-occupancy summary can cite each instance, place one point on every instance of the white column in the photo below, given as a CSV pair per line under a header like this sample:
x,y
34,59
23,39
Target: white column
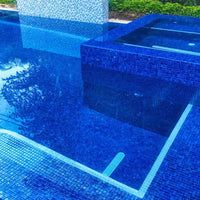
x,y
92,11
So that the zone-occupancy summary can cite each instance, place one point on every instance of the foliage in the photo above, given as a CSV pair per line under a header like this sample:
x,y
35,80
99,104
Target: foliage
x,y
8,2
183,2
154,6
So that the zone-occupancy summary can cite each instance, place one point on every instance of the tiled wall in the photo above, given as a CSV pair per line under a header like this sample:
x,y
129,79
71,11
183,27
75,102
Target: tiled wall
x,y
139,64
175,66
92,11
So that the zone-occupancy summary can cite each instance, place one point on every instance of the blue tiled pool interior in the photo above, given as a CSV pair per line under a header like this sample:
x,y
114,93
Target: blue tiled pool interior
x,y
71,129
166,35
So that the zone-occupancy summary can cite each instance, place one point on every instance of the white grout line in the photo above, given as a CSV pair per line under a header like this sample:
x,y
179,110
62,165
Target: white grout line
x,y
152,173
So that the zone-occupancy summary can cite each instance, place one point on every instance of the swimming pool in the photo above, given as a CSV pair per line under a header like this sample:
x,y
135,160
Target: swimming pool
x,y
115,126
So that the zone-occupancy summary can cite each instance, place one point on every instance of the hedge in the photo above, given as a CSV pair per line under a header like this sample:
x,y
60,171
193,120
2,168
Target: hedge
x,y
153,6
183,2
149,6
8,2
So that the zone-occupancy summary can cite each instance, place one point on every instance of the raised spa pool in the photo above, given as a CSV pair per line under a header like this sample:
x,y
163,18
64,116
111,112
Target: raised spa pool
x,y
156,46
62,120
173,35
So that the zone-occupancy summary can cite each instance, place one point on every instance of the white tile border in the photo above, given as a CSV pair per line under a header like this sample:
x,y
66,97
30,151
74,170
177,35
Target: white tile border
x,y
114,164
148,180
154,169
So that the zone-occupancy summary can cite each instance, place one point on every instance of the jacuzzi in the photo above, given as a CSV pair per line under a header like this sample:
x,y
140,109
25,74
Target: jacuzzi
x,y
157,46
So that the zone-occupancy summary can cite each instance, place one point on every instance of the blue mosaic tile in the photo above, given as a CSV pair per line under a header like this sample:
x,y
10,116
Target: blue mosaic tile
x,y
179,175
46,177
105,52
27,172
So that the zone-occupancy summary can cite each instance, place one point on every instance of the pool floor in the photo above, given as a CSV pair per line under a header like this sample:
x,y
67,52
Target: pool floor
x,y
57,112
48,175
79,131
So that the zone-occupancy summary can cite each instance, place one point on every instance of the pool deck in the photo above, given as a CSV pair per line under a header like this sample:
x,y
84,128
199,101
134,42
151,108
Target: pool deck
x,y
8,7
27,172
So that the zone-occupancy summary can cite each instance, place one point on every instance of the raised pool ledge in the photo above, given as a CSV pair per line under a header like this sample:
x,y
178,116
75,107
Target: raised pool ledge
x,y
156,46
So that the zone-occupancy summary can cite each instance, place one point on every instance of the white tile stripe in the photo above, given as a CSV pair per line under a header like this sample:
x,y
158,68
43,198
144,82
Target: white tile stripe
x,y
176,50
174,30
114,164
148,180
152,173
71,162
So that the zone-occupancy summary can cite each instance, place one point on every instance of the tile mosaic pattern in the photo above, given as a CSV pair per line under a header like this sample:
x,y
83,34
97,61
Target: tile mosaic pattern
x,y
84,29
179,176
29,173
106,53
93,11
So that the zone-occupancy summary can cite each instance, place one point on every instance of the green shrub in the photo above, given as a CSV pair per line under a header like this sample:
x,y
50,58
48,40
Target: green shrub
x,y
183,2
154,6
143,6
172,8
8,2
116,4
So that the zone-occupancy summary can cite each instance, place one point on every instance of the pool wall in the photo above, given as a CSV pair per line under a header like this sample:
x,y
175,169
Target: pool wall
x,y
104,52
93,11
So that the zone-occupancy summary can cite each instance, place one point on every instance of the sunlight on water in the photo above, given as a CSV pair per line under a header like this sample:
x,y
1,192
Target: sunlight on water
x,y
7,70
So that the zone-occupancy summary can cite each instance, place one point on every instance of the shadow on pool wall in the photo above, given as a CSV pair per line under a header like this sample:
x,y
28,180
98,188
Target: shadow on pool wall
x,y
151,104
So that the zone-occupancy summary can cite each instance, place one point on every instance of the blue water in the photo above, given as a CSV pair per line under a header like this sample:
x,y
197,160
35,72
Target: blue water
x,y
87,114
186,24
167,35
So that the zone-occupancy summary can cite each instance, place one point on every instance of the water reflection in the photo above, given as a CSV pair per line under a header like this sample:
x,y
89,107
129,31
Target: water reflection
x,y
46,96
42,93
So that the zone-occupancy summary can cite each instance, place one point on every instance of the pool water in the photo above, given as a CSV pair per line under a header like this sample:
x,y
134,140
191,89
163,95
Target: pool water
x,y
88,114
167,35
186,24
